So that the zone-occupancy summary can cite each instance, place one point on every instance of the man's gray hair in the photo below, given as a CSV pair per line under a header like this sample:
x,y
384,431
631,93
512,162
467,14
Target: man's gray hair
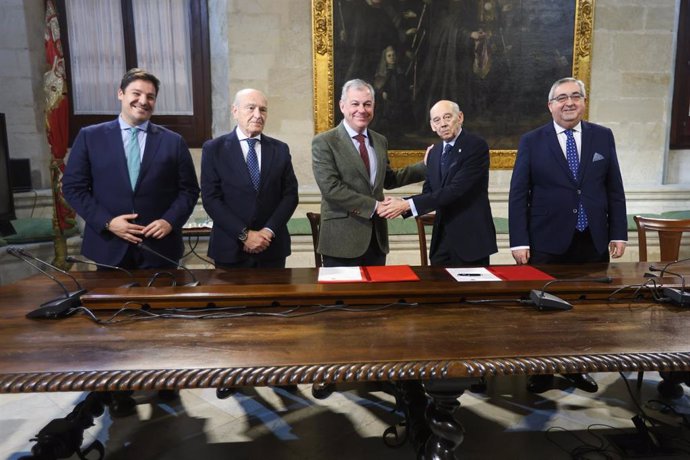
x,y
567,80
356,84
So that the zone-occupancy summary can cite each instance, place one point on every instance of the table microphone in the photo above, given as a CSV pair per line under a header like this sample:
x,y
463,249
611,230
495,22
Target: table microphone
x,y
549,302
76,260
56,308
195,282
676,296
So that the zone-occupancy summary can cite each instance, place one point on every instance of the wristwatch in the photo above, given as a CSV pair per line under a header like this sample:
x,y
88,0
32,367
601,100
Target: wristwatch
x,y
244,235
107,224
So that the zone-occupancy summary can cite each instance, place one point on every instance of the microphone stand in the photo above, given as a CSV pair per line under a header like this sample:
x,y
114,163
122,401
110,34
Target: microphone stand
x,y
56,308
76,260
664,269
549,302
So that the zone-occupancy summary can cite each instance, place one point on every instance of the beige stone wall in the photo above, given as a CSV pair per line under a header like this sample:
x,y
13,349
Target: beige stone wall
x,y
632,61
22,59
267,46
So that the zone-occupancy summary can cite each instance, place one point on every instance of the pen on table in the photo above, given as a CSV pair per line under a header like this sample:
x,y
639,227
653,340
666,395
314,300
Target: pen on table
x,y
469,274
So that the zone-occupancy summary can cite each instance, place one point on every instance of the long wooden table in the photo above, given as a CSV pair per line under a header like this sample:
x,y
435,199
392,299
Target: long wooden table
x,y
438,339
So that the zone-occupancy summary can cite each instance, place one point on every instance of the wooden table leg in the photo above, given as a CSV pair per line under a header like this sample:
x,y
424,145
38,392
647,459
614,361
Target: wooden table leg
x,y
447,433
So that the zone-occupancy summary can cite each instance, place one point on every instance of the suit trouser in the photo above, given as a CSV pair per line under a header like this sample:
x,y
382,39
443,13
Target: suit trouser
x,y
253,262
581,250
444,256
372,256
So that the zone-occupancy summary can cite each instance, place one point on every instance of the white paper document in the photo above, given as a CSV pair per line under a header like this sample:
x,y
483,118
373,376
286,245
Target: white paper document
x,y
472,274
340,274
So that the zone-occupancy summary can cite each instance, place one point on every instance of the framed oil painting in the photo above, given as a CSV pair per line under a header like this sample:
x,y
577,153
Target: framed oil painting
x,y
496,58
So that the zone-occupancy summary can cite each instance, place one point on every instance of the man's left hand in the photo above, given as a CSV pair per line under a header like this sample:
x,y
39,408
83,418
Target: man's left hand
x,y
257,241
616,249
157,229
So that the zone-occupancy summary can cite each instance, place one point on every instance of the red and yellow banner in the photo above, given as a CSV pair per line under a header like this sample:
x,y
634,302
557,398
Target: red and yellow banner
x,y
57,123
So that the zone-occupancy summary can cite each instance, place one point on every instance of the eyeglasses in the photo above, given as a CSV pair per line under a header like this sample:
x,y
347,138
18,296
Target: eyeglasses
x,y
562,98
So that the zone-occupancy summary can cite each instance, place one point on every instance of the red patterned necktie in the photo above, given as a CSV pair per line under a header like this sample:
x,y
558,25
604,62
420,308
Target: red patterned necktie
x,y
361,138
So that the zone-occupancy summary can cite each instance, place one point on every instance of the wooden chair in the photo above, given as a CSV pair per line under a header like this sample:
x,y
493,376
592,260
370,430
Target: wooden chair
x,y
426,219
670,233
315,222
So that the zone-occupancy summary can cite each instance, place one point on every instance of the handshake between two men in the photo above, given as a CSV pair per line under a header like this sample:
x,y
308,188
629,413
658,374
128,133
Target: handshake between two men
x,y
392,207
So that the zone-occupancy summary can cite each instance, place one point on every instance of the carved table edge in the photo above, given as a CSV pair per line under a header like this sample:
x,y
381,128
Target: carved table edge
x,y
114,380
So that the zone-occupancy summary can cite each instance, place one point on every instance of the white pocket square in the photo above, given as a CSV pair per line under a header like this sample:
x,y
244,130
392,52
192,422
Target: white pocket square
x,y
597,157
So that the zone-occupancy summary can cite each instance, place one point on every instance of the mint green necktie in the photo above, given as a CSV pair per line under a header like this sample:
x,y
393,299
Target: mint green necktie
x,y
133,156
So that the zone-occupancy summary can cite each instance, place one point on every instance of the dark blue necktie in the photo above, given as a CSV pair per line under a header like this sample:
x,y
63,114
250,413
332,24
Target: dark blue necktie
x,y
574,165
253,163
445,160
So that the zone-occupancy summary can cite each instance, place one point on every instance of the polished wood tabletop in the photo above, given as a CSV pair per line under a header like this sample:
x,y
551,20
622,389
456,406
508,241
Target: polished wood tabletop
x,y
278,336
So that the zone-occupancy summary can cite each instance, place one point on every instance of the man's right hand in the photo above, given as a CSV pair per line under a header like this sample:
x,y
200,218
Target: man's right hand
x,y
426,154
123,228
257,241
521,256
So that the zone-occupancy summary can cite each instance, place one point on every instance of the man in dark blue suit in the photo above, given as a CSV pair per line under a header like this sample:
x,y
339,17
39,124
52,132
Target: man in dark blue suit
x,y
567,203
249,189
457,188
132,181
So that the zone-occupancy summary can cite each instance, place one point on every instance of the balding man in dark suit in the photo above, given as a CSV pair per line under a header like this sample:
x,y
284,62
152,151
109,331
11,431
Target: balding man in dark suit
x,y
249,189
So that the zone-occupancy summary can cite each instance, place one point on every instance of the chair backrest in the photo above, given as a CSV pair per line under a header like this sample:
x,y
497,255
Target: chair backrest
x,y
426,219
315,222
670,233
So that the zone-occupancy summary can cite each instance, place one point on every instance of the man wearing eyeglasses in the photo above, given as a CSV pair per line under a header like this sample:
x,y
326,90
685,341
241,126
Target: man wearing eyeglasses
x,y
567,203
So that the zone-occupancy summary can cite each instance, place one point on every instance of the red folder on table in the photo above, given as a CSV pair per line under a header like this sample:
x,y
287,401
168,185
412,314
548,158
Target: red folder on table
x,y
390,273
369,274
519,273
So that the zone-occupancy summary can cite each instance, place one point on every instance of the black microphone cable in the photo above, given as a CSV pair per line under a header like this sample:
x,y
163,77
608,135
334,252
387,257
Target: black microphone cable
x,y
195,282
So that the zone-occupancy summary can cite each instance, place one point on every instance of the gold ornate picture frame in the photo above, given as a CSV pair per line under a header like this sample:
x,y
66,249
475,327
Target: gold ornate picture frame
x,y
541,18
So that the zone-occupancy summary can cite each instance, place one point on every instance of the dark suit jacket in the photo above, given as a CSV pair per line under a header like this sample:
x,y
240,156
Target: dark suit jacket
x,y
544,196
464,225
348,198
96,184
230,200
